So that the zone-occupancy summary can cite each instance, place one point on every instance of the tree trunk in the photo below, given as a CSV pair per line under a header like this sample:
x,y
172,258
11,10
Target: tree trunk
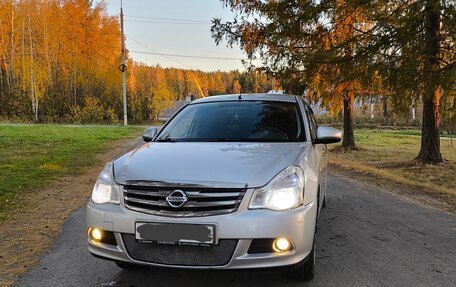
x,y
430,138
372,108
32,75
12,47
348,141
1,82
413,109
385,106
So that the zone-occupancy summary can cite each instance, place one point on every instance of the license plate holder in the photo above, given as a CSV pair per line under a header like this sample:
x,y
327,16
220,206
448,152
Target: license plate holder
x,y
175,233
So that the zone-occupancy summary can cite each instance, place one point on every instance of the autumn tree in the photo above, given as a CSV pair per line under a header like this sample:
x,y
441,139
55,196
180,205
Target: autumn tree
x,y
236,88
415,43
55,54
152,89
307,45
342,46
59,63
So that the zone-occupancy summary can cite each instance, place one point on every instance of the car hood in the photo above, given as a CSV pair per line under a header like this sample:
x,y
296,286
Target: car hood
x,y
206,164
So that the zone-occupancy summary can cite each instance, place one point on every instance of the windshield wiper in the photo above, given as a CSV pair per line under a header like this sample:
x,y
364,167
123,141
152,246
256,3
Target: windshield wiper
x,y
243,140
170,140
167,139
228,140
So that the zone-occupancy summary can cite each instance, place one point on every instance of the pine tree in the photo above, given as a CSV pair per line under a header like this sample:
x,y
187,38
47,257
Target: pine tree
x,y
307,45
339,48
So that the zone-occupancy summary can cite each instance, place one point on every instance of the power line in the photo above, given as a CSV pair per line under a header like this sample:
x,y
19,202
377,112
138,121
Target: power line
x,y
167,55
157,53
168,22
186,56
169,19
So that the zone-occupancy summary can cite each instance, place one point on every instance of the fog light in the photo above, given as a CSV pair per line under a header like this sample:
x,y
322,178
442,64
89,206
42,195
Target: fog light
x,y
95,233
281,245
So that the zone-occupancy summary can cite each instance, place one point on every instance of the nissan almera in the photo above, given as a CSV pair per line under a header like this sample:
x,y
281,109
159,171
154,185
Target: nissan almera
x,y
229,182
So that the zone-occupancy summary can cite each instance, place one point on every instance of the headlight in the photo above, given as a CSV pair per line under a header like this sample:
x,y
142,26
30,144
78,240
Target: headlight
x,y
284,191
105,190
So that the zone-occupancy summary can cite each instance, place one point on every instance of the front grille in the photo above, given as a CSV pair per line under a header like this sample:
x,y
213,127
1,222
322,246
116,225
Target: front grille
x,y
201,201
186,255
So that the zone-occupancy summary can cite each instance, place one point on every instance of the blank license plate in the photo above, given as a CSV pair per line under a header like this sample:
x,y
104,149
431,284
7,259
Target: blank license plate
x,y
175,233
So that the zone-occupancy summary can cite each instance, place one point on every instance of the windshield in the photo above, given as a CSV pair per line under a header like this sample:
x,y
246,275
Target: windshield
x,y
251,121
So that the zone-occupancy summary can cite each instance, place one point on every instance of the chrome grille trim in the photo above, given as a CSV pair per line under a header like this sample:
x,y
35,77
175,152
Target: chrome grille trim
x,y
212,203
176,214
201,201
145,201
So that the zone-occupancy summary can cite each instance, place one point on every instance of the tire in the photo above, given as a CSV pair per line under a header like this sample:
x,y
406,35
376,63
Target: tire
x,y
128,266
324,202
305,271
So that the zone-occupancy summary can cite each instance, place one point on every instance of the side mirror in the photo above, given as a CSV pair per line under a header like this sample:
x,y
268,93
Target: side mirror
x,y
149,134
327,135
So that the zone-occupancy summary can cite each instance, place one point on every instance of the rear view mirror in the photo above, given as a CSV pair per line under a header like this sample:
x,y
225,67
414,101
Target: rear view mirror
x,y
149,134
328,135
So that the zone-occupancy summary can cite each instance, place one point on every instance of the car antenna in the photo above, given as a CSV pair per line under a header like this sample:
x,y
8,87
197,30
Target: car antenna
x,y
240,97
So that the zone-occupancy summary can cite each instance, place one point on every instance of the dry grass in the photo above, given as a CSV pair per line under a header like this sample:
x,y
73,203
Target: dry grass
x,y
389,154
27,235
33,156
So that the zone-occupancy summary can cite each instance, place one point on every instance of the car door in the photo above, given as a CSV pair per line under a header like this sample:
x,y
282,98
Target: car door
x,y
321,154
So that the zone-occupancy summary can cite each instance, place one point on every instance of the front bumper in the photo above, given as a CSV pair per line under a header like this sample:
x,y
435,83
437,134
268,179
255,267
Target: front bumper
x,y
244,225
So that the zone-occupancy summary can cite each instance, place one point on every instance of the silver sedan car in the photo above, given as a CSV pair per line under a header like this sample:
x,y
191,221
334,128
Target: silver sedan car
x,y
229,182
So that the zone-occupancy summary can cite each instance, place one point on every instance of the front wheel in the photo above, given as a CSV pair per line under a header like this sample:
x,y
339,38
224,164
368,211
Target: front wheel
x,y
305,271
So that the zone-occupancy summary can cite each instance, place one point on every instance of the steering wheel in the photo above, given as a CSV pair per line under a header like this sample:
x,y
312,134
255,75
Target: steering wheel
x,y
279,132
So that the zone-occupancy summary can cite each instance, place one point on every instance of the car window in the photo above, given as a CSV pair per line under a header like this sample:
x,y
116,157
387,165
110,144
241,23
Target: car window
x,y
236,121
183,124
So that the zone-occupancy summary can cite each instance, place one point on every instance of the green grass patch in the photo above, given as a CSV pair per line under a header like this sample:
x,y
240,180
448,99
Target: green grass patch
x,y
390,153
32,156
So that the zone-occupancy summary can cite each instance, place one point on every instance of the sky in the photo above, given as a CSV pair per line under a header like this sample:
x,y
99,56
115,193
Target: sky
x,y
176,27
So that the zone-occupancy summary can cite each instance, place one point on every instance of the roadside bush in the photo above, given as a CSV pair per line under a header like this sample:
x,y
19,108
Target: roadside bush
x,y
93,112
111,116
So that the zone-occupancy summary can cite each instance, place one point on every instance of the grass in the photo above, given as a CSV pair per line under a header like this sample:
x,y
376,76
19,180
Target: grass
x,y
390,153
32,156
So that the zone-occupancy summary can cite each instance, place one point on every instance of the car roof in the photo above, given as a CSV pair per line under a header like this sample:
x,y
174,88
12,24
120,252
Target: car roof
x,y
248,97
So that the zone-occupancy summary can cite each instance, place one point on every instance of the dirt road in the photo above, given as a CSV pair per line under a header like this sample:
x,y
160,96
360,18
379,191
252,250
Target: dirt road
x,y
366,237
31,229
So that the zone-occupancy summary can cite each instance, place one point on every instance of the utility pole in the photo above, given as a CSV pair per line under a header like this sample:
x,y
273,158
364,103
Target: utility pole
x,y
123,66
